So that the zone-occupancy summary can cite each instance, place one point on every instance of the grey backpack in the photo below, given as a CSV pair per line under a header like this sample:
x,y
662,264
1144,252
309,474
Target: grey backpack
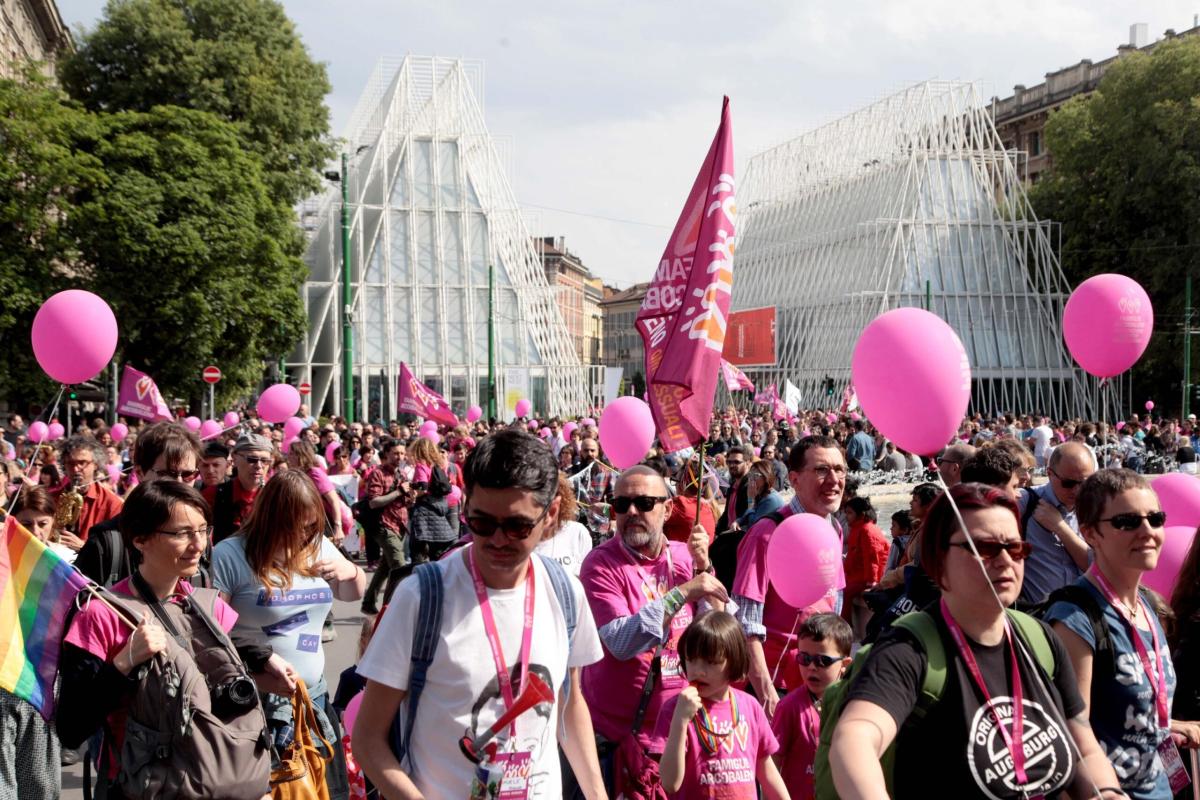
x,y
195,728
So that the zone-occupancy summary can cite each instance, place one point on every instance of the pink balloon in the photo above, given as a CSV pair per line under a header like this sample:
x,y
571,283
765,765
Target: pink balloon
x,y
474,413
544,433
331,452
429,425
855,416
287,444
114,474
1177,540
523,407
74,336
1120,425
231,419
831,418
56,431
804,560
432,436
210,429
278,403
1179,495
292,427
351,713
455,495
1107,324
533,425
919,345
119,431
38,432
193,423
626,431
588,423
1149,405
568,429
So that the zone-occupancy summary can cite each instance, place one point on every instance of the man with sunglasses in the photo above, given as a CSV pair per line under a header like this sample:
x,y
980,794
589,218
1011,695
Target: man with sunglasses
x,y
501,621
1060,555
232,500
644,591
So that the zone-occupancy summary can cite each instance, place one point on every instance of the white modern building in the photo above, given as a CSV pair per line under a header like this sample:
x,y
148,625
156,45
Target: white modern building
x,y
911,201
430,210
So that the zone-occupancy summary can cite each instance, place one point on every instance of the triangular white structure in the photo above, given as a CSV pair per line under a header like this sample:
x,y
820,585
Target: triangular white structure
x,y
430,209
908,201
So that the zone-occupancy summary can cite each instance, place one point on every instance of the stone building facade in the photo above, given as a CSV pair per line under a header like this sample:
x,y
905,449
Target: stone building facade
x,y
31,31
577,294
622,342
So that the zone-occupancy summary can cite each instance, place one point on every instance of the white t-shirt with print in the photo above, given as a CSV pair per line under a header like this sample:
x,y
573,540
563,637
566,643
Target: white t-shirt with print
x,y
462,695
568,547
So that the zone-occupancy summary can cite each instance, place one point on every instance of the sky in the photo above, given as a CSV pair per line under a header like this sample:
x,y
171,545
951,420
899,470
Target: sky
x,y
608,108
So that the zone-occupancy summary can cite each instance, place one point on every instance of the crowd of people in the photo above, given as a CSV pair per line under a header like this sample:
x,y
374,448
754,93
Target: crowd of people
x,y
538,623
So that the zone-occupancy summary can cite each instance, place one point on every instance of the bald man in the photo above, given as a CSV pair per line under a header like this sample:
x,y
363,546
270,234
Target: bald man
x,y
1060,555
950,463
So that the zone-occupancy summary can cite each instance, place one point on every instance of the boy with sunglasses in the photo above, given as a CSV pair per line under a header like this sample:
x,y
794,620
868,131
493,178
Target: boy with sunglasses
x,y
823,645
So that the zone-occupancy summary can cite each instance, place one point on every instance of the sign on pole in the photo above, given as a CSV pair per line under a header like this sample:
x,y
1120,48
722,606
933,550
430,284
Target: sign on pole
x,y
211,375
305,388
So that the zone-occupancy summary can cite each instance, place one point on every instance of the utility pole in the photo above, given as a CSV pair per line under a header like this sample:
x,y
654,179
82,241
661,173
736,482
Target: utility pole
x,y
347,326
1187,344
928,296
491,399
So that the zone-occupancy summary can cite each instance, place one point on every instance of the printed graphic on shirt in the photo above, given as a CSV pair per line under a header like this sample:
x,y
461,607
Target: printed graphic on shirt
x,y
296,597
1137,764
286,624
1048,758
490,705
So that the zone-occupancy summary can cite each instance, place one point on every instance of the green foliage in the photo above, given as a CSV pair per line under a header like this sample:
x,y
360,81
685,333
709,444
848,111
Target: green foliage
x,y
239,59
39,173
184,241
1125,185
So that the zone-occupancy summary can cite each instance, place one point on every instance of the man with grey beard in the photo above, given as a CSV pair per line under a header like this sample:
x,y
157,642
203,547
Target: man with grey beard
x,y
643,591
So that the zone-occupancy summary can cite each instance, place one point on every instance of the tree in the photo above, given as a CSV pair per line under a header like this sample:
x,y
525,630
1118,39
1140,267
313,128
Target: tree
x,y
184,241
1125,184
40,171
239,59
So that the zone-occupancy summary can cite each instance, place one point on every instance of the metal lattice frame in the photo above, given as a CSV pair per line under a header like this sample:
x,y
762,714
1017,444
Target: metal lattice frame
x,y
420,101
912,195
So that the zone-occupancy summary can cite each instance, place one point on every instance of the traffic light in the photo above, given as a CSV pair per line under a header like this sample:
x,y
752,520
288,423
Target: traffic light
x,y
1196,392
73,395
828,386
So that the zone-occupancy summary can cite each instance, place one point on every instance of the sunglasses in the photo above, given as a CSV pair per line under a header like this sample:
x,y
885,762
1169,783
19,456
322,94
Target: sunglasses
x,y
821,660
1131,521
177,474
1067,483
514,528
1017,551
644,502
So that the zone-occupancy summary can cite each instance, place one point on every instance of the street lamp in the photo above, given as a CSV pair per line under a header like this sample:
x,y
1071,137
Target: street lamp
x,y
343,178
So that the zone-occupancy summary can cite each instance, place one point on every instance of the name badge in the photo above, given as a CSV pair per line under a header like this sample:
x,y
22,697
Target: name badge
x,y
1168,755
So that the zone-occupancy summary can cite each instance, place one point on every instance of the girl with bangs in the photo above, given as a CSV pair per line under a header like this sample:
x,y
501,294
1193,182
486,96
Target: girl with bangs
x,y
280,573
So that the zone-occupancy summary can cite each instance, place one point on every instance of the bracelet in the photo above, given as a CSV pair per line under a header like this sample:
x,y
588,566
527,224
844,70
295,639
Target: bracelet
x,y
132,666
1115,789
673,601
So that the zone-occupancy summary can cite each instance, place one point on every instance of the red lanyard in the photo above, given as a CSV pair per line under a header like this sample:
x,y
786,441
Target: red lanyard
x,y
1159,686
493,635
1013,740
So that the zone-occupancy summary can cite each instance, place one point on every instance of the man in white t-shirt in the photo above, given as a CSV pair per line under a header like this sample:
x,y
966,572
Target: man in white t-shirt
x,y
510,501
1043,441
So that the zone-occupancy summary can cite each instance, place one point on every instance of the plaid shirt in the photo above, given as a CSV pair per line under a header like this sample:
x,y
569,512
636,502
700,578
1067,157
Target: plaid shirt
x,y
594,484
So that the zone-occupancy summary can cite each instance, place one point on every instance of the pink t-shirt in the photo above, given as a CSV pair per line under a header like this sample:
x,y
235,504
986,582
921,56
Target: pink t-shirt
x,y
321,478
422,473
731,772
617,585
751,581
797,726
99,631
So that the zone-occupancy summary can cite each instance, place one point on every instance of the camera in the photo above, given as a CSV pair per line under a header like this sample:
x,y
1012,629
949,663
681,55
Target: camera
x,y
234,695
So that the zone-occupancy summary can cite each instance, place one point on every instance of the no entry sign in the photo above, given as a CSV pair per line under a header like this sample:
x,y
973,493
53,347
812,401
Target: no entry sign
x,y
305,388
211,374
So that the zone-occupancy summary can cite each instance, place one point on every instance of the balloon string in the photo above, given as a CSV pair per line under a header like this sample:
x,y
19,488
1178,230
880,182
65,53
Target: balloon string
x,y
791,633
37,453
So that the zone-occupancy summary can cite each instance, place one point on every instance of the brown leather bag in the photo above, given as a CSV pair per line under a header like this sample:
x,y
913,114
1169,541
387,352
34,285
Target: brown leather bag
x,y
301,772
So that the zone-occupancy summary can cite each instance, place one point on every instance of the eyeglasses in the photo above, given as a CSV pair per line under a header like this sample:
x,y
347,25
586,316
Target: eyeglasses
x,y
988,550
821,660
737,463
178,537
823,472
187,476
514,528
645,503
1067,483
254,461
78,462
1131,521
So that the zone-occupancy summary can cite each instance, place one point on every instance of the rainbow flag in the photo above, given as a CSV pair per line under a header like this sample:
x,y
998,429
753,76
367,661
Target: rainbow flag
x,y
37,588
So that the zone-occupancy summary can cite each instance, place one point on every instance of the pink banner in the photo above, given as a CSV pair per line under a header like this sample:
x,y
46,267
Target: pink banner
x,y
139,397
735,379
768,396
684,314
415,397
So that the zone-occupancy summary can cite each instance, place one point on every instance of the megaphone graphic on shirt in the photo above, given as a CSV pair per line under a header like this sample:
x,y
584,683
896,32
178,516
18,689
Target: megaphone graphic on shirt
x,y
534,694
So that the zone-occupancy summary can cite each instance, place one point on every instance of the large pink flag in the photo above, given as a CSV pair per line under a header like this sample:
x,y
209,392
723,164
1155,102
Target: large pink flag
x,y
735,379
139,397
768,396
683,317
415,397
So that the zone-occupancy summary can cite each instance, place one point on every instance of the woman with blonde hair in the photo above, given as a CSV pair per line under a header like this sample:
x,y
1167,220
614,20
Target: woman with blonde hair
x,y
429,517
570,540
280,574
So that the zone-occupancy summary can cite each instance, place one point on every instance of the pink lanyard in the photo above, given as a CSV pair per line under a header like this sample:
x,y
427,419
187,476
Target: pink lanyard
x,y
1160,686
493,635
1014,741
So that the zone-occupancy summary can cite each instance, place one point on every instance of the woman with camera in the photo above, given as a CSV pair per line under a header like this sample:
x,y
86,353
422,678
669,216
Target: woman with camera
x,y
280,574
113,657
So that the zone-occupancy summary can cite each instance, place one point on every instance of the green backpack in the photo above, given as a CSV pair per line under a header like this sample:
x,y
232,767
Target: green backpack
x,y
924,630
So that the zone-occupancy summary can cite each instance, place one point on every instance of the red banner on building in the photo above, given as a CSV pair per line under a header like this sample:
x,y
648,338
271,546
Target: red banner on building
x,y
750,339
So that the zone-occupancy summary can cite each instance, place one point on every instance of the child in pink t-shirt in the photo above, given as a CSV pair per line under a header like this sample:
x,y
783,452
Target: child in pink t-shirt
x,y
718,741
823,653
